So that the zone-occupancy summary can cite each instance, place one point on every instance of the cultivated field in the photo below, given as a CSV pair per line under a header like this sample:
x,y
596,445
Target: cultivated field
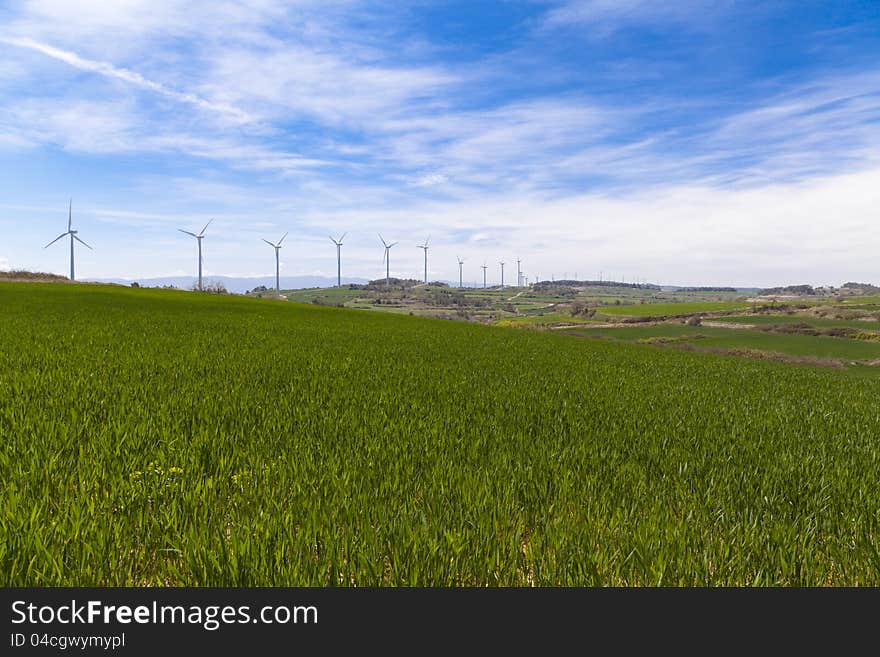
x,y
673,309
172,438
822,347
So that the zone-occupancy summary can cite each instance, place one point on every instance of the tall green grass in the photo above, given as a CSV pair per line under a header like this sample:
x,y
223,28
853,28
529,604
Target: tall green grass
x,y
154,437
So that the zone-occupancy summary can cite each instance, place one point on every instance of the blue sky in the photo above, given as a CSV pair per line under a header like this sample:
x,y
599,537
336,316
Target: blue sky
x,y
713,142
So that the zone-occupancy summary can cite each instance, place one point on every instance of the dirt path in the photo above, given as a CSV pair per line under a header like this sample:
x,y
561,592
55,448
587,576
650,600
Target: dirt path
x,y
729,325
516,295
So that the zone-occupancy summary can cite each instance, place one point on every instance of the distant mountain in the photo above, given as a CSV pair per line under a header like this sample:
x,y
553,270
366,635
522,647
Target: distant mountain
x,y
233,284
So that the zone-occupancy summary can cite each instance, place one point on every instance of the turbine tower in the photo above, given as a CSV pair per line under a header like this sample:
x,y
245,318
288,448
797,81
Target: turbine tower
x,y
424,247
460,263
387,260
277,248
338,244
518,273
502,273
199,239
72,233
483,267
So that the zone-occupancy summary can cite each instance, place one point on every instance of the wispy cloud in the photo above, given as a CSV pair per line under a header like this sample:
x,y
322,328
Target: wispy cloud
x,y
128,76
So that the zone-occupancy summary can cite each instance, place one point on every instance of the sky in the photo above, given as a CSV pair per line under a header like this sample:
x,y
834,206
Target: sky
x,y
713,142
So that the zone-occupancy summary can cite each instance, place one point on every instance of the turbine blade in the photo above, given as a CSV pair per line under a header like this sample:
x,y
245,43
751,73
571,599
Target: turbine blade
x,y
187,232
269,243
56,239
427,240
383,239
70,215
206,226
282,239
342,238
392,244
81,242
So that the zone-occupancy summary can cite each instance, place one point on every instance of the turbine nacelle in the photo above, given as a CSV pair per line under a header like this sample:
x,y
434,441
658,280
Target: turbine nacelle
x,y
201,233
386,244
276,246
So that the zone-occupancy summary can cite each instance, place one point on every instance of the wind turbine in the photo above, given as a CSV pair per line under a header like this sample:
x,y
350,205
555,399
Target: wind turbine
x,y
518,273
338,244
502,273
72,233
277,248
387,260
460,263
483,267
199,239
424,247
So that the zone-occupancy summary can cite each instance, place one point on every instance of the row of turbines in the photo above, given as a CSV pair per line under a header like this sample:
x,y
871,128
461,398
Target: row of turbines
x,y
386,258
424,247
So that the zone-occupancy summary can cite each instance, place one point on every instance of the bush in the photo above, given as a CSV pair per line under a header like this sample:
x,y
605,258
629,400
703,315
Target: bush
x,y
216,287
696,320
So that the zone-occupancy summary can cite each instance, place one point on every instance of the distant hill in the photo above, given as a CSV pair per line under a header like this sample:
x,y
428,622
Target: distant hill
x,y
684,288
799,290
238,285
863,288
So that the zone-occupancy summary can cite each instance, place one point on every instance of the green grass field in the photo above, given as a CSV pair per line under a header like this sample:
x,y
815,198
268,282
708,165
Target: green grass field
x,y
667,309
171,438
818,322
547,319
329,296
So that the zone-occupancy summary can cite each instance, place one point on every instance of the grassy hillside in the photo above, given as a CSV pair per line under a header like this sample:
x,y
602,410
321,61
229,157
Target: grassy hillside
x,y
161,437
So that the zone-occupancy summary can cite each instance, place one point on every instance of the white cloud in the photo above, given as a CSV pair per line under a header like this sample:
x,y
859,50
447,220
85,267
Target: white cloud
x,y
430,180
80,125
123,28
603,17
814,231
